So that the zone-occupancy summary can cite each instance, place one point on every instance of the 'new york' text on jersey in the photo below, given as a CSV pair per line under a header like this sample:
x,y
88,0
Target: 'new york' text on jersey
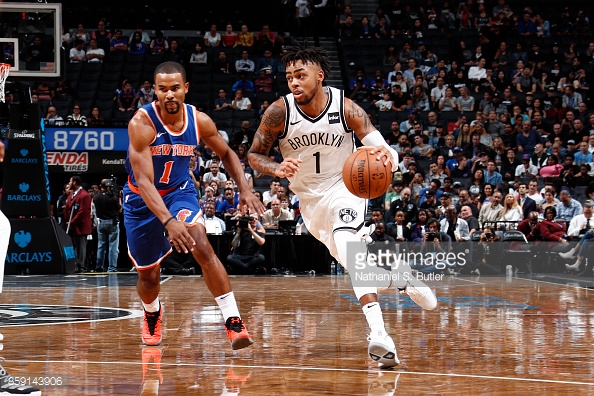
x,y
171,150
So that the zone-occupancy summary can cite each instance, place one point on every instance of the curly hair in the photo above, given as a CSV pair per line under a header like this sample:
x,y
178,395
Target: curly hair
x,y
317,56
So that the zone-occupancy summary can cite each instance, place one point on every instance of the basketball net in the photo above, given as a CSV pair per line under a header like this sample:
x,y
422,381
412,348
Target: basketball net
x,y
4,69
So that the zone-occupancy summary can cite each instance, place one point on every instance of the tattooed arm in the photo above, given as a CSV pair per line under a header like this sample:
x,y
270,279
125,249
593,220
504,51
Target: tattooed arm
x,y
360,123
357,119
272,125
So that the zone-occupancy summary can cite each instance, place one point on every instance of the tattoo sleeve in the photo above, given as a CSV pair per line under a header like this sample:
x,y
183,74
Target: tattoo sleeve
x,y
358,120
271,126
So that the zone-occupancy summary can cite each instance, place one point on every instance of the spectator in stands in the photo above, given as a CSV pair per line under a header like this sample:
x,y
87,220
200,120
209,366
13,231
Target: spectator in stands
x,y
212,38
465,102
244,136
347,30
245,38
491,212
420,101
527,139
405,204
240,102
491,175
567,208
76,118
583,156
127,99
175,53
268,63
95,119
159,44
275,214
402,100
265,39
222,102
200,56
229,38
77,52
144,36
118,43
35,53
243,83
52,117
571,99
137,46
511,211
447,102
214,174
102,36
146,94
222,64
263,82
80,34
94,53
244,64
228,205
467,214
457,228
555,233
212,223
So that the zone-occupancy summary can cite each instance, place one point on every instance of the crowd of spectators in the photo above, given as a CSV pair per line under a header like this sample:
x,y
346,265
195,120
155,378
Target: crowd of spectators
x,y
493,127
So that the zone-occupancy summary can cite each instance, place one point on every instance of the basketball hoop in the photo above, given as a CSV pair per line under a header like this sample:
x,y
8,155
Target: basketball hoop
x,y
4,69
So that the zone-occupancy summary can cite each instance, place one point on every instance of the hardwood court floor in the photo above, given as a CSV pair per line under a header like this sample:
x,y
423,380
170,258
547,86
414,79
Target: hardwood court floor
x,y
489,335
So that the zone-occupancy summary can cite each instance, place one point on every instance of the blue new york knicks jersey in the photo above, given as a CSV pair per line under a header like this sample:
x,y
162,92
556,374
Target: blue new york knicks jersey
x,y
171,150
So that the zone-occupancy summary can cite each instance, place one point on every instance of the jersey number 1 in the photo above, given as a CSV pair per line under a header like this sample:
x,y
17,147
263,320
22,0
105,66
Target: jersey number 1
x,y
317,155
166,172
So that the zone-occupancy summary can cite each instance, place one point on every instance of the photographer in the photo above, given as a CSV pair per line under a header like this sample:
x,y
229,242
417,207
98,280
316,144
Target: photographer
x,y
245,257
434,243
487,256
108,205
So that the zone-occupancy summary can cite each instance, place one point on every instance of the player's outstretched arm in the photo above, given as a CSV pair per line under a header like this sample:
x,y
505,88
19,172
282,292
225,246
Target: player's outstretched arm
x,y
141,133
360,123
210,135
272,125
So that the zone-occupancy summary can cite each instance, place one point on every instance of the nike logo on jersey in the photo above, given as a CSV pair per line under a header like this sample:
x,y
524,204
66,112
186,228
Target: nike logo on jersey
x,y
184,186
296,122
372,305
161,134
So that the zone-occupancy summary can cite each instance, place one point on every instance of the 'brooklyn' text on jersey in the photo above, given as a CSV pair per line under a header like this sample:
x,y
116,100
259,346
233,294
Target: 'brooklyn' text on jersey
x,y
326,139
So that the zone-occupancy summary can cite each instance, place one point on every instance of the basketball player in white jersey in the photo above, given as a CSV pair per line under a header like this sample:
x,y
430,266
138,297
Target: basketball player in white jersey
x,y
315,126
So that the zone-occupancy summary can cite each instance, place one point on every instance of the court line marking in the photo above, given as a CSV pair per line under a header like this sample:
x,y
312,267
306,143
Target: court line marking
x,y
396,371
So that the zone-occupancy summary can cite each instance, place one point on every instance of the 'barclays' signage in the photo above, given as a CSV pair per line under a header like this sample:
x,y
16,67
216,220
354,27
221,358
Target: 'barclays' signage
x,y
23,159
23,239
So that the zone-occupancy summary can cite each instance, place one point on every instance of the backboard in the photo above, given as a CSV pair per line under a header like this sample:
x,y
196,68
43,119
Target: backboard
x,y
30,37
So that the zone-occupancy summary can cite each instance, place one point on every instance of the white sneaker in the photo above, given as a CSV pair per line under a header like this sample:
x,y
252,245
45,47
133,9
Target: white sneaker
x,y
568,255
575,266
420,293
381,349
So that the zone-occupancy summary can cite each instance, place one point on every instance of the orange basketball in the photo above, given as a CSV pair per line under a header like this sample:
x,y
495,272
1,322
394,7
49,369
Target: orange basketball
x,y
365,176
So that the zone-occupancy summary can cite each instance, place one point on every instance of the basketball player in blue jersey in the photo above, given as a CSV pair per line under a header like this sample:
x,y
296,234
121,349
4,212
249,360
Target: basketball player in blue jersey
x,y
161,211
314,126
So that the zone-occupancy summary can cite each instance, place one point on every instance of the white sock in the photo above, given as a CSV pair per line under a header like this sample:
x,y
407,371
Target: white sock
x,y
373,314
228,305
152,307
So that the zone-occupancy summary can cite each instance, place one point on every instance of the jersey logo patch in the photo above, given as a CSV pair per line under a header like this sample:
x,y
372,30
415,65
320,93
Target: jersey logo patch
x,y
347,215
183,214
333,118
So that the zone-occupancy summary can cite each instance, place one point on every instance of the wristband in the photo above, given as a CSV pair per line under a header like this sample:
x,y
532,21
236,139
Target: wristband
x,y
168,220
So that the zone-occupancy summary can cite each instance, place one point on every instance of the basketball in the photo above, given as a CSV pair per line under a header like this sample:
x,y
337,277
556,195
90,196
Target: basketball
x,y
365,176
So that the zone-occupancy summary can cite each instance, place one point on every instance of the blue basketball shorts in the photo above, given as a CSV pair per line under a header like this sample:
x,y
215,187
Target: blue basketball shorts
x,y
147,244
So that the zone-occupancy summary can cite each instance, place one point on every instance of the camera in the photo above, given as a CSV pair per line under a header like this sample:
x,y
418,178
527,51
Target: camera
x,y
431,235
111,185
243,221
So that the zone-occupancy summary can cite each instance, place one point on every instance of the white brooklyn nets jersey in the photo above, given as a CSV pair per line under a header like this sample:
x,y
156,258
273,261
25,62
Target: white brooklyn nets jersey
x,y
323,144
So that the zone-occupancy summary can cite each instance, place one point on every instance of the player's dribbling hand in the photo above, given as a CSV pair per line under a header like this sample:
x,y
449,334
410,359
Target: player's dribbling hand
x,y
179,237
288,167
382,153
